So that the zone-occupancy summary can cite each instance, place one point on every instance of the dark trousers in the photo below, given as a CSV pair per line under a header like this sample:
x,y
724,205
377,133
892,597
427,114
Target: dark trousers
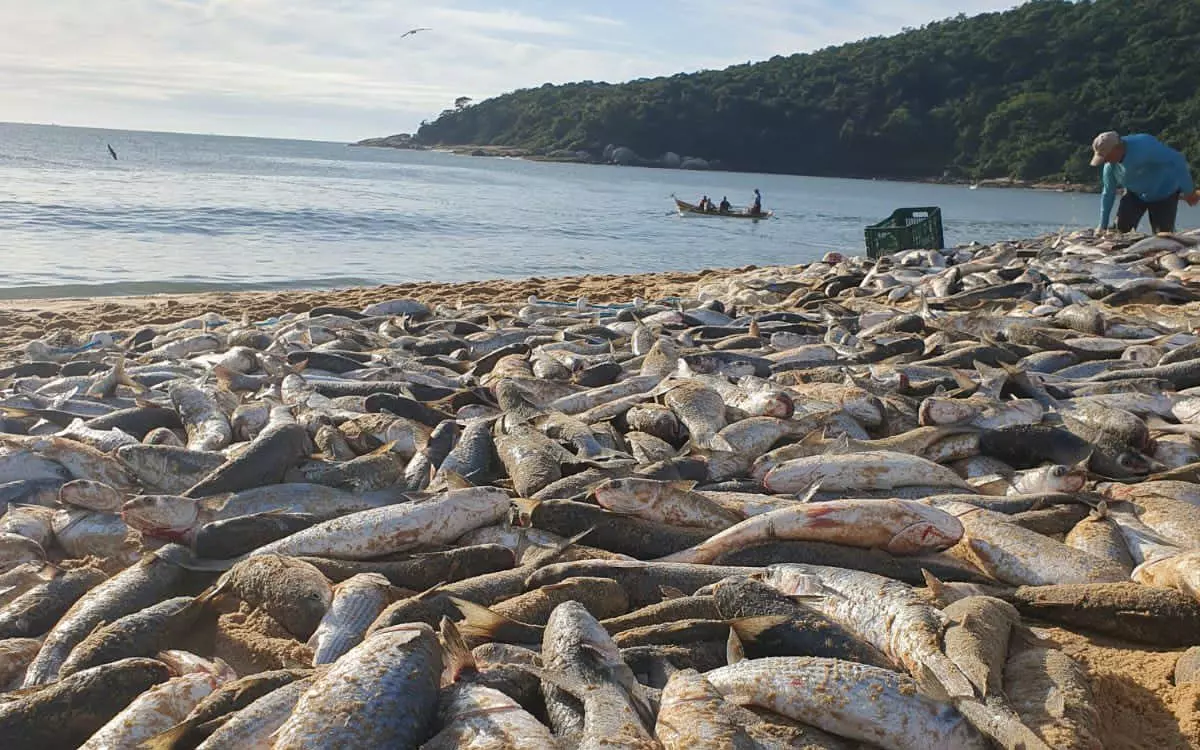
x,y
1133,208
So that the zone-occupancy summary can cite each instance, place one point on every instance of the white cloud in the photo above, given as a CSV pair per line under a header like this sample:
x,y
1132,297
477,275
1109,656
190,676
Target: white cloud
x,y
340,69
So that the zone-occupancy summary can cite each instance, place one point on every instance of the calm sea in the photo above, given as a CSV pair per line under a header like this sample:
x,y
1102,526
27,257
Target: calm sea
x,y
180,213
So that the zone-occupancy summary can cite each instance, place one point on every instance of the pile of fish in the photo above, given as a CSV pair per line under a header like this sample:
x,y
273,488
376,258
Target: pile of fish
x,y
821,507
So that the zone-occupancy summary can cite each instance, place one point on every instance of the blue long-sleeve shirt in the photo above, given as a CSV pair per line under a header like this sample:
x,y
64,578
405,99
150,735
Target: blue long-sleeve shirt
x,y
1151,170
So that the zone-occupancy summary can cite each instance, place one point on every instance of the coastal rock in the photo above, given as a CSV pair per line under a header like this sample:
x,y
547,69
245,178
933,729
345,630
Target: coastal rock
x,y
400,140
695,162
624,156
671,160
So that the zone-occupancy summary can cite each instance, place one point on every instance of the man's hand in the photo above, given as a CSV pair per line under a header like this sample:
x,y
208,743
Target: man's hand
x,y
1192,198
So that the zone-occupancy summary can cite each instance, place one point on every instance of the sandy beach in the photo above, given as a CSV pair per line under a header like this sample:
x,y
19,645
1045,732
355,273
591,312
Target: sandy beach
x,y
26,319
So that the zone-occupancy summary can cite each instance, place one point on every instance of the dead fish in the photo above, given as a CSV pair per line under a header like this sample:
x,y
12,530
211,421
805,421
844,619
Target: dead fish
x,y
356,603
397,528
886,613
874,705
868,470
898,526
138,634
90,495
67,713
207,426
383,692
1053,696
1018,556
141,585
33,613
665,502
153,712
291,591
1127,610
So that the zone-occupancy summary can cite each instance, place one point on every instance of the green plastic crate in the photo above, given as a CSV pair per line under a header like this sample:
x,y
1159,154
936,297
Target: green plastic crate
x,y
906,229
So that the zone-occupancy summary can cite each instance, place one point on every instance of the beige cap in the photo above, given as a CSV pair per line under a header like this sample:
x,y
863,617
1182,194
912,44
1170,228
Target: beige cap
x,y
1103,146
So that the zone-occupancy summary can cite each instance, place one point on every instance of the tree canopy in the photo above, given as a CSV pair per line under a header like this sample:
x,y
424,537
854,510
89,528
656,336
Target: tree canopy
x,y
1016,94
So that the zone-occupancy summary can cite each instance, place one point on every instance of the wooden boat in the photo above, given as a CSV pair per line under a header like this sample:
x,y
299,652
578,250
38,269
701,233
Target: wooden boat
x,y
691,210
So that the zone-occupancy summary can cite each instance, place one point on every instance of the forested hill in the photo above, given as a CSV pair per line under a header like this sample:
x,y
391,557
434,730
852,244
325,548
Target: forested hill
x,y
1015,94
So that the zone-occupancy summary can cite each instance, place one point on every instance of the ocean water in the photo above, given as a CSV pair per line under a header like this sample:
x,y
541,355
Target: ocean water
x,y
177,213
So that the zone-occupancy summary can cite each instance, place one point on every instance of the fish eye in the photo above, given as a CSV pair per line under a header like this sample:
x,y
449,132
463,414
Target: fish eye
x,y
1059,471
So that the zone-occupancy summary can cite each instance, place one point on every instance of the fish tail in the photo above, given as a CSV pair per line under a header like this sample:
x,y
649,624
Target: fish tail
x,y
750,628
481,622
1001,724
123,378
169,739
459,659
734,650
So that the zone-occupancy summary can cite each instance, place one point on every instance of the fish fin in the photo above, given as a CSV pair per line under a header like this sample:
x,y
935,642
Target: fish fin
x,y
458,658
929,684
670,592
481,622
840,445
816,437
963,380
455,481
522,511
123,377
429,591
753,329
808,494
734,650
169,739
551,554
685,485
384,449
936,586
750,628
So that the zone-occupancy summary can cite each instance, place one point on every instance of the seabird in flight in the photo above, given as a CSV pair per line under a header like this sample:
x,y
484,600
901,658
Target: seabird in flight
x,y
414,31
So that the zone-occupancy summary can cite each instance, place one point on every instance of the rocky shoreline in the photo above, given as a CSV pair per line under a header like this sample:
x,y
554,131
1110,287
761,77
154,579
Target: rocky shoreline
x,y
621,156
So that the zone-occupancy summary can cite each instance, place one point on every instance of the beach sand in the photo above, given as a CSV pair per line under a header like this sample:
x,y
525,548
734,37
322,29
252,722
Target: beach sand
x,y
22,320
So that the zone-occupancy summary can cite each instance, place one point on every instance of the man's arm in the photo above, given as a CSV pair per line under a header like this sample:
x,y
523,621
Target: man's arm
x,y
1186,185
1108,196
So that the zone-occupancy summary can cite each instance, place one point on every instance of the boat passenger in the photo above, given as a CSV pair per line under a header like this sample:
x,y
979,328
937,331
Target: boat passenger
x,y
725,205
703,203
756,209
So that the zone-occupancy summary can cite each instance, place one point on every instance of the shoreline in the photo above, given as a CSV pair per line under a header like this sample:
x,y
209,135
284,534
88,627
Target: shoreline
x,y
514,152
22,320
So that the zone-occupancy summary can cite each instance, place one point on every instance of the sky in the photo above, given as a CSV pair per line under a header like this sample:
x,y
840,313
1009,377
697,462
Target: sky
x,y
340,70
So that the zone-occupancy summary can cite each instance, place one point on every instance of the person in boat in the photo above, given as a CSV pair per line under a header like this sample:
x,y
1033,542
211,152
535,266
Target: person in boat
x,y
703,205
756,208
725,205
1155,178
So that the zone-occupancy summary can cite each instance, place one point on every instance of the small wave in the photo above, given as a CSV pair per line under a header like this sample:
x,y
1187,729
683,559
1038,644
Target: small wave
x,y
212,221
138,288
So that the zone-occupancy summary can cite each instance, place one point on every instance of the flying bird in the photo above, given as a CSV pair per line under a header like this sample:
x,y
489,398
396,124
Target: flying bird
x,y
110,151
414,31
